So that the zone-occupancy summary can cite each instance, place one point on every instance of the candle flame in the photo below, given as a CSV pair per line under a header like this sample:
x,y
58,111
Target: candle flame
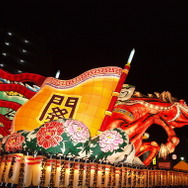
x,y
57,74
131,56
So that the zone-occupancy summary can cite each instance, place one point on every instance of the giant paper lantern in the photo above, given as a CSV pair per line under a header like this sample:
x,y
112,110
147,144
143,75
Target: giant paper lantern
x,y
84,98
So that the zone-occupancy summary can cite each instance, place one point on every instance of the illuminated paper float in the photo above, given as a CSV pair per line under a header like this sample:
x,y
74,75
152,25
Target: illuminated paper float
x,y
54,140
84,98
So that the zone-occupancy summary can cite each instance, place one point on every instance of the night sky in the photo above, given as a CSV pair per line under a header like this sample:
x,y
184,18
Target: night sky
x,y
81,36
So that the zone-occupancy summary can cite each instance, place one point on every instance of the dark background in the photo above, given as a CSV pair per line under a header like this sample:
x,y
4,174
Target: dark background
x,y
75,37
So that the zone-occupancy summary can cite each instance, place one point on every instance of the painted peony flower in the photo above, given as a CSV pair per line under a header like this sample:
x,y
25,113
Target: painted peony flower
x,y
77,131
50,134
14,142
110,140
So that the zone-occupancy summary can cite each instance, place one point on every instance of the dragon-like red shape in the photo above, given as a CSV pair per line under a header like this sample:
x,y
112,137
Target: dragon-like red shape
x,y
137,114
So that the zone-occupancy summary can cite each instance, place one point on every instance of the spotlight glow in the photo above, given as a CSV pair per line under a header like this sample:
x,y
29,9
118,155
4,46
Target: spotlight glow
x,y
182,158
7,43
22,61
9,33
24,51
4,54
26,41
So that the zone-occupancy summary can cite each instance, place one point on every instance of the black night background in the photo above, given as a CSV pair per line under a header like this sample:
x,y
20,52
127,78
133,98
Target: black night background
x,y
75,37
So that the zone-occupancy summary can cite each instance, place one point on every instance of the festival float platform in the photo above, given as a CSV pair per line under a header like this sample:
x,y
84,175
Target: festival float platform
x,y
85,132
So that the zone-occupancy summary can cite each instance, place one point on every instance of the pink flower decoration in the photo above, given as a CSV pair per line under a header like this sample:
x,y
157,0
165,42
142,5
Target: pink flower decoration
x,y
77,131
110,140
50,134
14,142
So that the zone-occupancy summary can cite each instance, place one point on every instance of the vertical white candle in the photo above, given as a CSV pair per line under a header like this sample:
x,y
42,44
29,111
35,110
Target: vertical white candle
x,y
16,164
47,175
124,175
50,162
8,166
118,175
108,176
28,170
100,174
69,172
86,172
93,174
78,173
58,173
3,167
37,170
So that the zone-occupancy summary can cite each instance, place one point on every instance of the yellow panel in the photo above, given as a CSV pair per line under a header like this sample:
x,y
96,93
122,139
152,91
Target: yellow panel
x,y
85,98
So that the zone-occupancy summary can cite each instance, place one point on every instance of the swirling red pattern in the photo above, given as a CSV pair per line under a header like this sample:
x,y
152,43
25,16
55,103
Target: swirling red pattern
x,y
23,77
37,79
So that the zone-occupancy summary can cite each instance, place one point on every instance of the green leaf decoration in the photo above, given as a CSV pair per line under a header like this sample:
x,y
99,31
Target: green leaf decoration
x,y
119,150
54,150
96,150
79,145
